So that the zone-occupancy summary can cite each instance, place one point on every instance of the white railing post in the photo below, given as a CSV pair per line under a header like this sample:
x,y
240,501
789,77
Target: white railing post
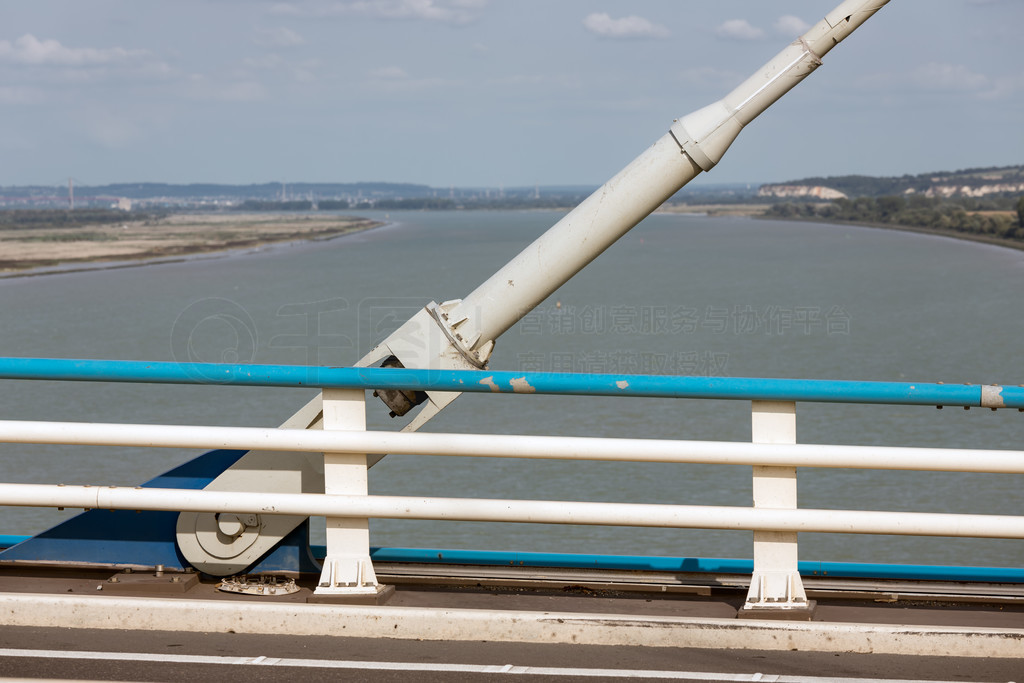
x,y
775,586
347,574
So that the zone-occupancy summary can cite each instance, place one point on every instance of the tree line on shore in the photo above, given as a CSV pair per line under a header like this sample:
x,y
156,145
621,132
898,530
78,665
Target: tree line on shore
x,y
999,216
27,219
875,186
992,217
414,203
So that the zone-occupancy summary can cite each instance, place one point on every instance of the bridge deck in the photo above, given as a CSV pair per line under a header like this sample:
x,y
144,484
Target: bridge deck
x,y
532,606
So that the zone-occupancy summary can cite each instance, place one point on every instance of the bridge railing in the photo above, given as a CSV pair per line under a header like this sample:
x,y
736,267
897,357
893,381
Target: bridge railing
x,y
773,454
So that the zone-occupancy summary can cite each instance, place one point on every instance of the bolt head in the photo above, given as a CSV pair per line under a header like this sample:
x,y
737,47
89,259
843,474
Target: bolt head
x,y
230,525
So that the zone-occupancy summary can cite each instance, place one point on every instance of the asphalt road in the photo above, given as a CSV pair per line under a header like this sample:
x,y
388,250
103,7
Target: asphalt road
x,y
56,653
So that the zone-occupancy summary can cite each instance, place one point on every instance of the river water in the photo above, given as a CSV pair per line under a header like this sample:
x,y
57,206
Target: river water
x,y
679,294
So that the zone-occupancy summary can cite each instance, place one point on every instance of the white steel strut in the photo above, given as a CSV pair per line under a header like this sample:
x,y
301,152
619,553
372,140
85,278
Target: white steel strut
x,y
460,334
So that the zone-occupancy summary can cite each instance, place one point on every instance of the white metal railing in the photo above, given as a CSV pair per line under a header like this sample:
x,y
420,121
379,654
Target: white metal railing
x,y
774,518
503,510
516,446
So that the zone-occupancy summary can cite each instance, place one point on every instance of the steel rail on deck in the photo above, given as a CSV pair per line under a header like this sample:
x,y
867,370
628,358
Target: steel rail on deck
x,y
657,386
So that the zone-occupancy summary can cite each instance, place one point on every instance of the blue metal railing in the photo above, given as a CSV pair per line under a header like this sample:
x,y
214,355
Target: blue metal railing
x,y
639,563
657,386
719,388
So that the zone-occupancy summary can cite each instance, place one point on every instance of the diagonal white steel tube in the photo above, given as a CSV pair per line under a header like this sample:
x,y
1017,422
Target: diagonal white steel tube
x,y
695,144
515,446
528,511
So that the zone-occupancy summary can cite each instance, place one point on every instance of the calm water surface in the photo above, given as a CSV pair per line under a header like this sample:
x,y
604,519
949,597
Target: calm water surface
x,y
679,294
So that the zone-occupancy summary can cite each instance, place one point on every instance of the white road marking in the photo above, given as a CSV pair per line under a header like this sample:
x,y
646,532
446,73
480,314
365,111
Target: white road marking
x,y
263,660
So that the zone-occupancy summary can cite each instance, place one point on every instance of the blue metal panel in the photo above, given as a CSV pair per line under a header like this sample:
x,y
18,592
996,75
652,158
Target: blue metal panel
x,y
734,388
561,560
291,554
839,570
912,572
694,564
7,540
124,537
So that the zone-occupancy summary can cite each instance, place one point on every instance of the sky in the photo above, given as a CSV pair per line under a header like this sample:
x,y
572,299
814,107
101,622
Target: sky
x,y
488,93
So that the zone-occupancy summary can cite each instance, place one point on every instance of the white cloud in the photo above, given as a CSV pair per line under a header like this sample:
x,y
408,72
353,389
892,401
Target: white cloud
x,y
388,73
48,63
30,50
444,11
739,29
707,76
560,81
957,77
395,79
945,78
16,140
270,61
278,37
1004,86
302,71
937,76
789,25
248,91
199,87
627,27
112,131
20,95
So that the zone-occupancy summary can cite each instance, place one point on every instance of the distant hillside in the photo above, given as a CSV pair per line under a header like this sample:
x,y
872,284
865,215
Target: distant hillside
x,y
286,196
213,190
323,196
972,182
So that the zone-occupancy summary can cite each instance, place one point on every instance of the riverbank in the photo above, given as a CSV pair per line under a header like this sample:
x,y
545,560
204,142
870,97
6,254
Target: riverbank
x,y
715,209
179,236
23,251
952,234
760,211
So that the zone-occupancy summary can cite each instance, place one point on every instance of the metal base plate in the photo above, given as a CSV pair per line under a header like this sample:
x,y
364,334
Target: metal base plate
x,y
150,583
779,613
382,595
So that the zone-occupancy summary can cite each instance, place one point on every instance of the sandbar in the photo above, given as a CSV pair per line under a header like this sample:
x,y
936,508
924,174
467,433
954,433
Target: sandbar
x,y
161,238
